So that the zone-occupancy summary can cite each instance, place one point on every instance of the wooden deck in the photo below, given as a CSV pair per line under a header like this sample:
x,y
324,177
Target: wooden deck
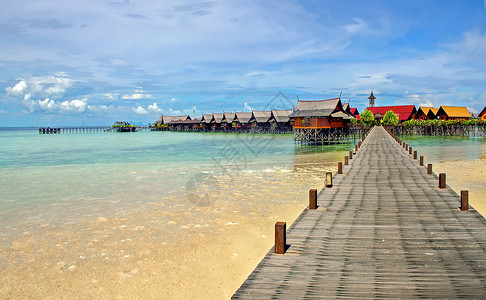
x,y
383,230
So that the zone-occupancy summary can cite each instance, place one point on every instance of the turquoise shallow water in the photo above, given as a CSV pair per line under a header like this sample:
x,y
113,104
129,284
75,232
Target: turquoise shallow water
x,y
71,176
437,148
65,176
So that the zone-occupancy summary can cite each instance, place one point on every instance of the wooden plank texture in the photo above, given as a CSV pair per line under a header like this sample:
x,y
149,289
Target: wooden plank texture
x,y
385,229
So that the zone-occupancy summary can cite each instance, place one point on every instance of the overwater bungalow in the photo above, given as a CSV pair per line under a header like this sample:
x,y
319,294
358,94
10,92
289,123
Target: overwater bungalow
x,y
178,123
426,113
482,114
165,120
196,125
216,121
319,114
242,120
280,120
227,121
259,119
453,113
206,121
320,122
403,112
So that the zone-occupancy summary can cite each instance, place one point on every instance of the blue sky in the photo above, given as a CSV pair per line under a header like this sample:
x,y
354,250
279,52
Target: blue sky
x,y
93,62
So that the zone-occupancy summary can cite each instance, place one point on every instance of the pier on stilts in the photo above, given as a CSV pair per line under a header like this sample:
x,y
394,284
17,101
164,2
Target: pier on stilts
x,y
384,226
90,129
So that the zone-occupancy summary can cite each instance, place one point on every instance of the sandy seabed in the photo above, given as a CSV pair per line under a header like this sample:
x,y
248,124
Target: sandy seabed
x,y
467,175
175,248
171,248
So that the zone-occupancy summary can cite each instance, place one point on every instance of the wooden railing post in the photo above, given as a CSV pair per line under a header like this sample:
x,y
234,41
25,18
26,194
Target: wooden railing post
x,y
346,160
329,179
421,160
429,169
464,200
350,154
313,199
409,150
340,167
414,154
280,237
442,180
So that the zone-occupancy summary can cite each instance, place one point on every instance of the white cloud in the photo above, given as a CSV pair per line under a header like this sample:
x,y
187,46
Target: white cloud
x,y
137,96
174,111
247,107
97,108
18,89
154,108
356,27
140,110
37,92
46,105
428,103
150,109
111,96
174,100
73,106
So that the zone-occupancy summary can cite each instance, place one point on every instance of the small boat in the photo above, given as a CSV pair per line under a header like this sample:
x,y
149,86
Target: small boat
x,y
123,127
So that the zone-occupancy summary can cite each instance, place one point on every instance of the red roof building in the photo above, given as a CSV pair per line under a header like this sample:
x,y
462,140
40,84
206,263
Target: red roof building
x,y
404,112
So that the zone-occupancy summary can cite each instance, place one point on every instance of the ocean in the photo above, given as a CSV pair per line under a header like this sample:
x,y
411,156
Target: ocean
x,y
123,215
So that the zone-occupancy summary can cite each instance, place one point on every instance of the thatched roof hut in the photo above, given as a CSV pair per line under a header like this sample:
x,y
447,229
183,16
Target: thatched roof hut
x,y
243,117
165,120
319,114
228,118
206,118
260,116
280,116
217,118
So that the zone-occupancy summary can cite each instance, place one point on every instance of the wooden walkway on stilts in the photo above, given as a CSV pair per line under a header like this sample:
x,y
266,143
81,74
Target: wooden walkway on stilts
x,y
383,230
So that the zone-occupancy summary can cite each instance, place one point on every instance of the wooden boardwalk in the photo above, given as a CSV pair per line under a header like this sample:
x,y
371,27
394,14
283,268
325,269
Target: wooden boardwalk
x,y
383,230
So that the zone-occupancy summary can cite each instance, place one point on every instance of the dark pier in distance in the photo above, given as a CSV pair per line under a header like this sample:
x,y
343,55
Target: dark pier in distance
x,y
90,129
387,227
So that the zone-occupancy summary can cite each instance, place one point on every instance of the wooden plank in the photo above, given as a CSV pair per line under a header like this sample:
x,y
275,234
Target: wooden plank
x,y
384,229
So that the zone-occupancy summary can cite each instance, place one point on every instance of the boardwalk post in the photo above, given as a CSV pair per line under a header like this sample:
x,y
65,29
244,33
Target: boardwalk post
x,y
346,161
406,147
280,237
421,160
442,180
464,200
414,154
340,167
329,179
410,150
355,148
313,199
350,154
429,169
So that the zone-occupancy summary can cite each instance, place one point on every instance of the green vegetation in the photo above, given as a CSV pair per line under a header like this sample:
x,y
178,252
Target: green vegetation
x,y
390,118
367,117
438,123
